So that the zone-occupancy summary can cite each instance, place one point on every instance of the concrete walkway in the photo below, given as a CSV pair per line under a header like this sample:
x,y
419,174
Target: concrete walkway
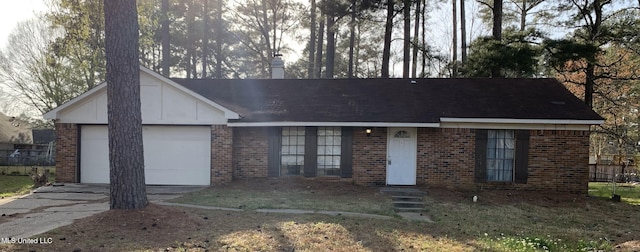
x,y
51,207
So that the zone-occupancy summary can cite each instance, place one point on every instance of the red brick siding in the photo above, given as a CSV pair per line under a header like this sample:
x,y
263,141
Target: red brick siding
x,y
445,157
66,152
370,156
221,154
558,161
250,152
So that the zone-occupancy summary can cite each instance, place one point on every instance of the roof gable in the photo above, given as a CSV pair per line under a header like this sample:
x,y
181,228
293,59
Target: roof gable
x,y
156,91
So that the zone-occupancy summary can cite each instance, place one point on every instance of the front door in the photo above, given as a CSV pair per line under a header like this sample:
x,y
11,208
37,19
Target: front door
x,y
401,156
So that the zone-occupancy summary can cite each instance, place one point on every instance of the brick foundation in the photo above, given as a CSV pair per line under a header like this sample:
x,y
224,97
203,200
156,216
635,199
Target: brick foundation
x,y
66,152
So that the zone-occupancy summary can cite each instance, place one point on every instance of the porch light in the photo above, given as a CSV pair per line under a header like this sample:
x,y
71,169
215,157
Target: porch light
x,y
368,131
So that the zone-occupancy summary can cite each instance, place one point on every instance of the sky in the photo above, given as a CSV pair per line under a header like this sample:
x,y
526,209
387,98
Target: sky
x,y
14,11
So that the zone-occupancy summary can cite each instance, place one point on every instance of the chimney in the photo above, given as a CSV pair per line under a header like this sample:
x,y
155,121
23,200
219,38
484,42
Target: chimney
x,y
277,67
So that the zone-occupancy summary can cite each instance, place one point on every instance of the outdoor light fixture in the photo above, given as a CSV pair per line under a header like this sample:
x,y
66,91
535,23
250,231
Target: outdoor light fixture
x,y
368,131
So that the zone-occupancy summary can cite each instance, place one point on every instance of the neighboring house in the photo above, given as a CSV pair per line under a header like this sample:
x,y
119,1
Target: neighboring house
x,y
22,145
13,132
530,134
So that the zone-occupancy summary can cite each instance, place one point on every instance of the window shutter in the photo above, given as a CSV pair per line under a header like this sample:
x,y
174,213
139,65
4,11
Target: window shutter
x,y
346,160
275,144
310,151
522,156
481,155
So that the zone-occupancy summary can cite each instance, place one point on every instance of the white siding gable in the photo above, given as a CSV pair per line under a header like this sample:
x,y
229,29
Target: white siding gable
x,y
162,103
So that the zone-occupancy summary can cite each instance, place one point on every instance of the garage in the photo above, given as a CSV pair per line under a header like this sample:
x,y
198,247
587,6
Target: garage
x,y
173,155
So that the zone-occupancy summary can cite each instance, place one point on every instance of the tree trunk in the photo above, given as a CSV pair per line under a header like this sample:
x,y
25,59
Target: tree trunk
x,y
219,39
407,39
331,46
166,37
191,50
594,32
497,32
205,36
416,34
265,35
388,29
497,20
423,44
523,15
312,41
352,38
463,32
318,65
454,53
126,157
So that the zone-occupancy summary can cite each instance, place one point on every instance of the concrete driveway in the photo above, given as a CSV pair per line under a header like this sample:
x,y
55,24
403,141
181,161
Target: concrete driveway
x,y
51,207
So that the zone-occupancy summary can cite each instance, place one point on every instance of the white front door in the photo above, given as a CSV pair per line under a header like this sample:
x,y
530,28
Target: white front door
x,y
401,156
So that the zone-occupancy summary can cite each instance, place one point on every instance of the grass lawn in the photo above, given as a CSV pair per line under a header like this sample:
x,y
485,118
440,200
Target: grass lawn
x,y
499,221
14,185
18,182
293,194
628,192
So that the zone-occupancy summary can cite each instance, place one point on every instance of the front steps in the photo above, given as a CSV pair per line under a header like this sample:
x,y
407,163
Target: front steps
x,y
406,199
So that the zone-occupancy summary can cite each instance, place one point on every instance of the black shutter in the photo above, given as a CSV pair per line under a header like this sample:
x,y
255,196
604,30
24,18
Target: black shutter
x,y
310,151
522,156
275,145
346,159
481,155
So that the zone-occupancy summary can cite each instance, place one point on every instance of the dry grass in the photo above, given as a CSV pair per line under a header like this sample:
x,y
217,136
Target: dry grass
x,y
499,221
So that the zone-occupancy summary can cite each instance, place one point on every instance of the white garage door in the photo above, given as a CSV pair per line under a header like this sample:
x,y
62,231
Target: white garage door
x,y
173,155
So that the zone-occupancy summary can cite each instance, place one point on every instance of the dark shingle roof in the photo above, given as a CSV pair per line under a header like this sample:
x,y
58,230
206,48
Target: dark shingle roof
x,y
392,100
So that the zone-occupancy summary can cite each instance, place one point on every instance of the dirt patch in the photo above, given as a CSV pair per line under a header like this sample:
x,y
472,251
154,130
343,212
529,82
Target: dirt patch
x,y
147,227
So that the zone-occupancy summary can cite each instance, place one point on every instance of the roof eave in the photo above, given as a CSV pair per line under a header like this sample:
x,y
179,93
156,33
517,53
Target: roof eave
x,y
332,124
523,121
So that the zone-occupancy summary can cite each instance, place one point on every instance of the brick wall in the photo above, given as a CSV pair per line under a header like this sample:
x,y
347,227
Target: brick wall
x,y
66,152
221,154
445,157
558,160
250,152
370,157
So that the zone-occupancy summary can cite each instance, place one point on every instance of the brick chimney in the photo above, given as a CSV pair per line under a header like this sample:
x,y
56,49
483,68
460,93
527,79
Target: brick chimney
x,y
277,67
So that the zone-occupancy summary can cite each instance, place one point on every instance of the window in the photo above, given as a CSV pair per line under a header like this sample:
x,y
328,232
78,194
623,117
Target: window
x,y
402,134
500,155
329,151
292,151
310,151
